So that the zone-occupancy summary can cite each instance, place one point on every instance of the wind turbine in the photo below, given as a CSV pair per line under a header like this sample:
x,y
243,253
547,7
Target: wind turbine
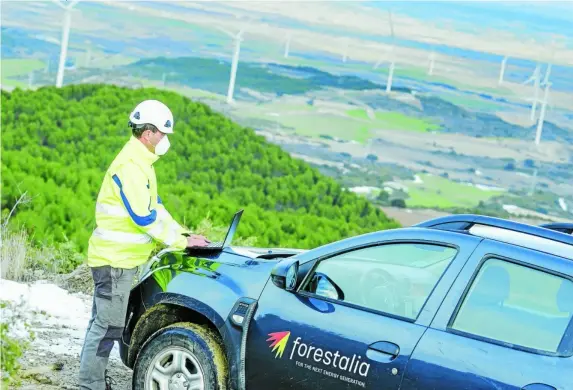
x,y
536,79
542,112
345,54
238,38
287,45
65,38
432,59
546,84
537,83
502,69
391,69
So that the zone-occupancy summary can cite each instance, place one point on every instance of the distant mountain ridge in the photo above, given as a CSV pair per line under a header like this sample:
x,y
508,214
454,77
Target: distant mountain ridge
x,y
278,79
213,75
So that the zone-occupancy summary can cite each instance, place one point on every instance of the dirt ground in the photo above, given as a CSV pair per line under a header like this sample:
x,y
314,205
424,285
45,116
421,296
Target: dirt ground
x,y
49,371
53,359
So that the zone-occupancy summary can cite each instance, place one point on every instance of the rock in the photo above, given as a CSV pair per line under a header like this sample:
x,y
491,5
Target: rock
x,y
58,366
38,374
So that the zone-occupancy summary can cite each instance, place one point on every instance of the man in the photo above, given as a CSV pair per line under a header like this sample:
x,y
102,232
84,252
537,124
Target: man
x,y
130,219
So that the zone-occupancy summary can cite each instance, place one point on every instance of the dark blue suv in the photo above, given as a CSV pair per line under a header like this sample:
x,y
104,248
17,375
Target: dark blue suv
x,y
461,302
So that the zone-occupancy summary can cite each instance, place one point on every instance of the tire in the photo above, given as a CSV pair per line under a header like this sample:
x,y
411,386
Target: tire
x,y
204,357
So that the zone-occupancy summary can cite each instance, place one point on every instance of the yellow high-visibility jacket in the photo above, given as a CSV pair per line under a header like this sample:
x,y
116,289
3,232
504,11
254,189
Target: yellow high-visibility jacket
x,y
130,218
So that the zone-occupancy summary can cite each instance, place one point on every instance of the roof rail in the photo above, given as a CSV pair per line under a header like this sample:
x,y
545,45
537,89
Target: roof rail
x,y
463,222
563,227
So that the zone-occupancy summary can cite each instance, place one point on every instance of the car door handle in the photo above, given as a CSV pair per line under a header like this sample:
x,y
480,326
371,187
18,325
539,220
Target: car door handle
x,y
538,386
386,348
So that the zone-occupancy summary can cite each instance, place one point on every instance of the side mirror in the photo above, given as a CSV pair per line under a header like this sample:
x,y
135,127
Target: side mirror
x,y
324,286
285,274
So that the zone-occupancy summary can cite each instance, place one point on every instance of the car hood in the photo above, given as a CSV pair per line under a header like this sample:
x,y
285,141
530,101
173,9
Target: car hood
x,y
243,270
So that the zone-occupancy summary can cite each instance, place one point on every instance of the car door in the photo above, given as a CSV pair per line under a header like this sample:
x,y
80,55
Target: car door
x,y
506,324
357,316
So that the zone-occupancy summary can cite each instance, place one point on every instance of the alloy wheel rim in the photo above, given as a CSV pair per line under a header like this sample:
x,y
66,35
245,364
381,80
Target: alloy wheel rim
x,y
174,368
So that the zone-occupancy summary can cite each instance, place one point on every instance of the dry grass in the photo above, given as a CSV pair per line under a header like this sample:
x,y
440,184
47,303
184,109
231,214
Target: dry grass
x,y
14,254
22,262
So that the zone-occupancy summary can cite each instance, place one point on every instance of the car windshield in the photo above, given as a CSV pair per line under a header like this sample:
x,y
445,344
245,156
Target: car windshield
x,y
412,256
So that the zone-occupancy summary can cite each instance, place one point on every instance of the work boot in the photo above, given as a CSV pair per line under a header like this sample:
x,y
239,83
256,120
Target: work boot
x,y
109,381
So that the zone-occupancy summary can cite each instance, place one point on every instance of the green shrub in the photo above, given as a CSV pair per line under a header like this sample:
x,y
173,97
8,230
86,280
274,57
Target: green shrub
x,y
11,347
58,143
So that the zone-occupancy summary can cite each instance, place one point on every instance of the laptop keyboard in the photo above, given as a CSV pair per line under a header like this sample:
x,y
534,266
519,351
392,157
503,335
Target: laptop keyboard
x,y
217,244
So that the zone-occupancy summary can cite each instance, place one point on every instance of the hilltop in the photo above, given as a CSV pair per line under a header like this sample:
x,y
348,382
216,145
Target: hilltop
x,y
57,144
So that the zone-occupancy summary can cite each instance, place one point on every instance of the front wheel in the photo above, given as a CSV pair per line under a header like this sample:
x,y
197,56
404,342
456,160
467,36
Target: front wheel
x,y
184,356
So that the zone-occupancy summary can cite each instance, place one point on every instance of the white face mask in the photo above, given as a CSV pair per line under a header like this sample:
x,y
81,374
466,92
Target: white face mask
x,y
162,146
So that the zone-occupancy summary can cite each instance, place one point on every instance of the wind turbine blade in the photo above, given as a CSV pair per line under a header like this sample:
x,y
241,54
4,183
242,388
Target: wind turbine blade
x,y
534,76
225,31
72,4
59,3
246,25
391,23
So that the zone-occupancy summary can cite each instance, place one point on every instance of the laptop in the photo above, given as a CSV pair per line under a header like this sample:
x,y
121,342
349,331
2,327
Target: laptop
x,y
218,245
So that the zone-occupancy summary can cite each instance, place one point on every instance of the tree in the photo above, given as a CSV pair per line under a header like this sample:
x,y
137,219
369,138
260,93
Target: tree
x,y
52,150
401,203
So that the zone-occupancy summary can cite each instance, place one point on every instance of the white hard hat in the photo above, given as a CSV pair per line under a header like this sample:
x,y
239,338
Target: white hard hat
x,y
153,112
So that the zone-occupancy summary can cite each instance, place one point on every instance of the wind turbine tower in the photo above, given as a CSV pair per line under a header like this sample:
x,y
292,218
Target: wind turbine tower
x,y
65,39
235,64
502,69
237,38
536,82
542,113
391,69
287,45
432,63
345,54
547,73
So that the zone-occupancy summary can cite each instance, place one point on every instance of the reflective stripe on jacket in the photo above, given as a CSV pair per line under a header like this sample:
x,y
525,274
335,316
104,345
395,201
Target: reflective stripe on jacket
x,y
130,218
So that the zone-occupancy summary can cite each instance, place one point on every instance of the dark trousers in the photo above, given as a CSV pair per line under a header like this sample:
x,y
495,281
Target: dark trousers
x,y
111,294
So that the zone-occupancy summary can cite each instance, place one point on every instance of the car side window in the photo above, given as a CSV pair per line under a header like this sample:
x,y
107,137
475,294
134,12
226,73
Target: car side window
x,y
516,304
391,278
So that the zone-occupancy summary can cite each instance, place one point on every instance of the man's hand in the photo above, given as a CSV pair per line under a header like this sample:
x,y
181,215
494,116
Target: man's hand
x,y
197,240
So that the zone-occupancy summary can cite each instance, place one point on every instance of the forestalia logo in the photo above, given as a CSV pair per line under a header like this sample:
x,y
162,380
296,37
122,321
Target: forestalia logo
x,y
279,342
329,358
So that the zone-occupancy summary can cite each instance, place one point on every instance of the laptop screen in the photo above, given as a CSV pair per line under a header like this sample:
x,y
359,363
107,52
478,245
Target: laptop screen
x,y
232,228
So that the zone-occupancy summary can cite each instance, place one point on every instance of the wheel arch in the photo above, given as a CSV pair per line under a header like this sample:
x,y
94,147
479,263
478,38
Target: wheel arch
x,y
170,309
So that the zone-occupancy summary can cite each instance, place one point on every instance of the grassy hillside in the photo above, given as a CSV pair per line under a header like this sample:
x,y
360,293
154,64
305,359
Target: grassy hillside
x,y
57,144
453,118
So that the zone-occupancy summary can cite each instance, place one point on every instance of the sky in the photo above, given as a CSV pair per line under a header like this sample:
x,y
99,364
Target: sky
x,y
528,19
